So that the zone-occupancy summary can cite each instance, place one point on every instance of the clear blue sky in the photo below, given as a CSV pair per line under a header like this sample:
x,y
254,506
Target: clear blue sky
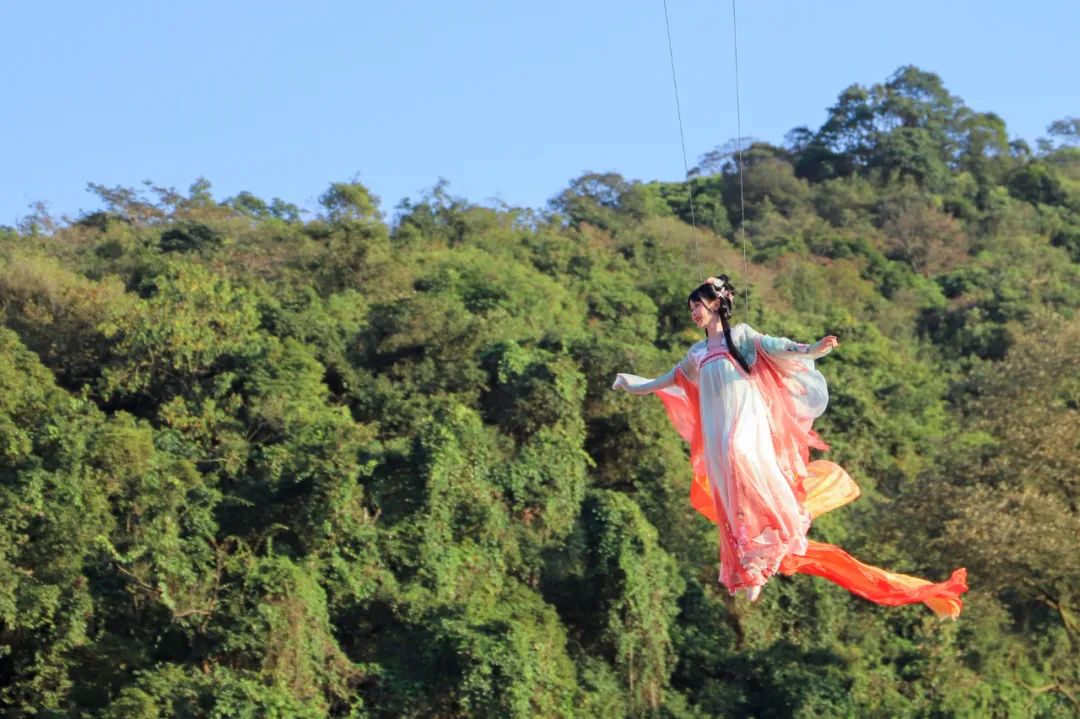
x,y
506,100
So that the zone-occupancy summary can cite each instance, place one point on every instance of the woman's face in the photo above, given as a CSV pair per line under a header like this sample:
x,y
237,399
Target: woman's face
x,y
700,313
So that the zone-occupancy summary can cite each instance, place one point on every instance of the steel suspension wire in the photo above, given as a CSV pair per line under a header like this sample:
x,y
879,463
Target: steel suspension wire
x,y
682,136
738,145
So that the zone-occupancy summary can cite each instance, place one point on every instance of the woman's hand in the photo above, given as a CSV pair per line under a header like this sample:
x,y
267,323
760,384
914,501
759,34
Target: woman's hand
x,y
620,382
828,343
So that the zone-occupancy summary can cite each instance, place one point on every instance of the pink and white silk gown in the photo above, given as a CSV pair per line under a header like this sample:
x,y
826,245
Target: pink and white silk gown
x,y
761,518
750,438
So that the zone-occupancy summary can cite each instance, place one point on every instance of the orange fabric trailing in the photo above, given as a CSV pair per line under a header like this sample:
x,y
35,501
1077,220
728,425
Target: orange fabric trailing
x,y
876,584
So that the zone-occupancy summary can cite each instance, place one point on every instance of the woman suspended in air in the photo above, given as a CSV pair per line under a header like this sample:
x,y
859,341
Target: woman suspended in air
x,y
745,402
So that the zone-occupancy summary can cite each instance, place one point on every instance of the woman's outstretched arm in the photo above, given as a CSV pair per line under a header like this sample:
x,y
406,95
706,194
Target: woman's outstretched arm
x,y
640,385
783,348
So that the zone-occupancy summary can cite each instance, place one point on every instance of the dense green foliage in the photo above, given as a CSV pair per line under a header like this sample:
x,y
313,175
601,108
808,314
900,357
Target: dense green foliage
x,y
257,464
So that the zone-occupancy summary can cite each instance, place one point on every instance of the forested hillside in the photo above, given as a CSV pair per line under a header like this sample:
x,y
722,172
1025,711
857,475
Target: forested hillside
x,y
366,462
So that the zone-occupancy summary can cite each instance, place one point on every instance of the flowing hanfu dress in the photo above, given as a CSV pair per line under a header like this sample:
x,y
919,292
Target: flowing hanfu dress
x,y
750,436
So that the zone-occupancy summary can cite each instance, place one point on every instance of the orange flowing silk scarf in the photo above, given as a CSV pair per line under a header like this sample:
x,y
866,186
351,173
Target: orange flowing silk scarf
x,y
820,485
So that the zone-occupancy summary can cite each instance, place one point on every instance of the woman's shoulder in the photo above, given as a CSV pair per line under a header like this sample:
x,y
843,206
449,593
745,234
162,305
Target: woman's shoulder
x,y
743,330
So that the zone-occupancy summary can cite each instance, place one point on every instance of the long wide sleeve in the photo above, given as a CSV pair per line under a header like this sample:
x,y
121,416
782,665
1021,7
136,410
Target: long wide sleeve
x,y
641,385
782,347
